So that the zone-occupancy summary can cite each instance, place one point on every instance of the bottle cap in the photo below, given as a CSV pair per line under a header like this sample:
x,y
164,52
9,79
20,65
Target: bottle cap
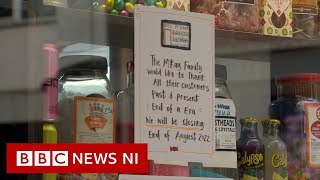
x,y
253,120
221,71
241,120
274,121
83,62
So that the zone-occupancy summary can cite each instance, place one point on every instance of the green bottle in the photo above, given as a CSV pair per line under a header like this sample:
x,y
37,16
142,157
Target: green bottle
x,y
275,154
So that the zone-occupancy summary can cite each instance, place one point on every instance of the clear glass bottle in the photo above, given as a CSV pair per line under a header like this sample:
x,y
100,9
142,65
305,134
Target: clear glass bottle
x,y
125,124
275,153
250,151
87,105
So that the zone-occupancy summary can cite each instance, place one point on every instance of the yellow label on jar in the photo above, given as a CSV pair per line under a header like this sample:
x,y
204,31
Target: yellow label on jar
x,y
94,120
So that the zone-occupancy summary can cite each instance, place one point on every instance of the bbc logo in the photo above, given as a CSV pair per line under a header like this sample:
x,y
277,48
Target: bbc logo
x,y
42,158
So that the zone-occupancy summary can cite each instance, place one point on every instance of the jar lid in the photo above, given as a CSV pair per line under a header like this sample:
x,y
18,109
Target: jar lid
x,y
298,78
221,71
130,66
83,62
253,120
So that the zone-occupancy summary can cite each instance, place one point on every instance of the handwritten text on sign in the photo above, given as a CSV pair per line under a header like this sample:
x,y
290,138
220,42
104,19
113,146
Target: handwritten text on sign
x,y
175,85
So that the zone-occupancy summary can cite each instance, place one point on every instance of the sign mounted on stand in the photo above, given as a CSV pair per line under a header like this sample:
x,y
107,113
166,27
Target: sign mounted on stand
x,y
174,84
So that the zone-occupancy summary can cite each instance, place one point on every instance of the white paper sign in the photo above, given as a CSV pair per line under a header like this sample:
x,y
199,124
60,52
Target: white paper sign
x,y
139,177
174,84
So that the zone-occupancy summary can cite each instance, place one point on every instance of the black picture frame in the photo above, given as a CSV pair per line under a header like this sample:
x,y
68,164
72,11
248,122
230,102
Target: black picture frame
x,y
175,23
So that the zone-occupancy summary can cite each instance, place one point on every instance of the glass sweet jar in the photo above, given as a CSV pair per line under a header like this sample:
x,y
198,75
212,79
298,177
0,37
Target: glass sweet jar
x,y
86,103
295,93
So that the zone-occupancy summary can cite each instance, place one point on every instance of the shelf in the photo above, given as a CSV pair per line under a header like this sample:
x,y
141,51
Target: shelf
x,y
242,45
95,28
118,31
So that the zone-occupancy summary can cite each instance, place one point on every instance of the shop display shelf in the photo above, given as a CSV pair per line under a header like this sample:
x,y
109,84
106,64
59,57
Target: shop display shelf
x,y
118,31
95,28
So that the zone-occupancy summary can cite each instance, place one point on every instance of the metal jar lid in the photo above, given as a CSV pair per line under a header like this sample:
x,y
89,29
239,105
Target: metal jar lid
x,y
83,62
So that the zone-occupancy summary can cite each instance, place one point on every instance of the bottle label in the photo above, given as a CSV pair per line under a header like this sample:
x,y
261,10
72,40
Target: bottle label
x,y
250,160
279,164
179,5
94,120
225,124
251,165
313,134
279,160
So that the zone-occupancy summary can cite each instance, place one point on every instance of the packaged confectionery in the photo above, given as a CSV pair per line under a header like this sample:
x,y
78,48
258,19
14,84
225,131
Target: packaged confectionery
x,y
276,18
250,151
235,15
182,5
296,107
87,105
122,7
305,18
